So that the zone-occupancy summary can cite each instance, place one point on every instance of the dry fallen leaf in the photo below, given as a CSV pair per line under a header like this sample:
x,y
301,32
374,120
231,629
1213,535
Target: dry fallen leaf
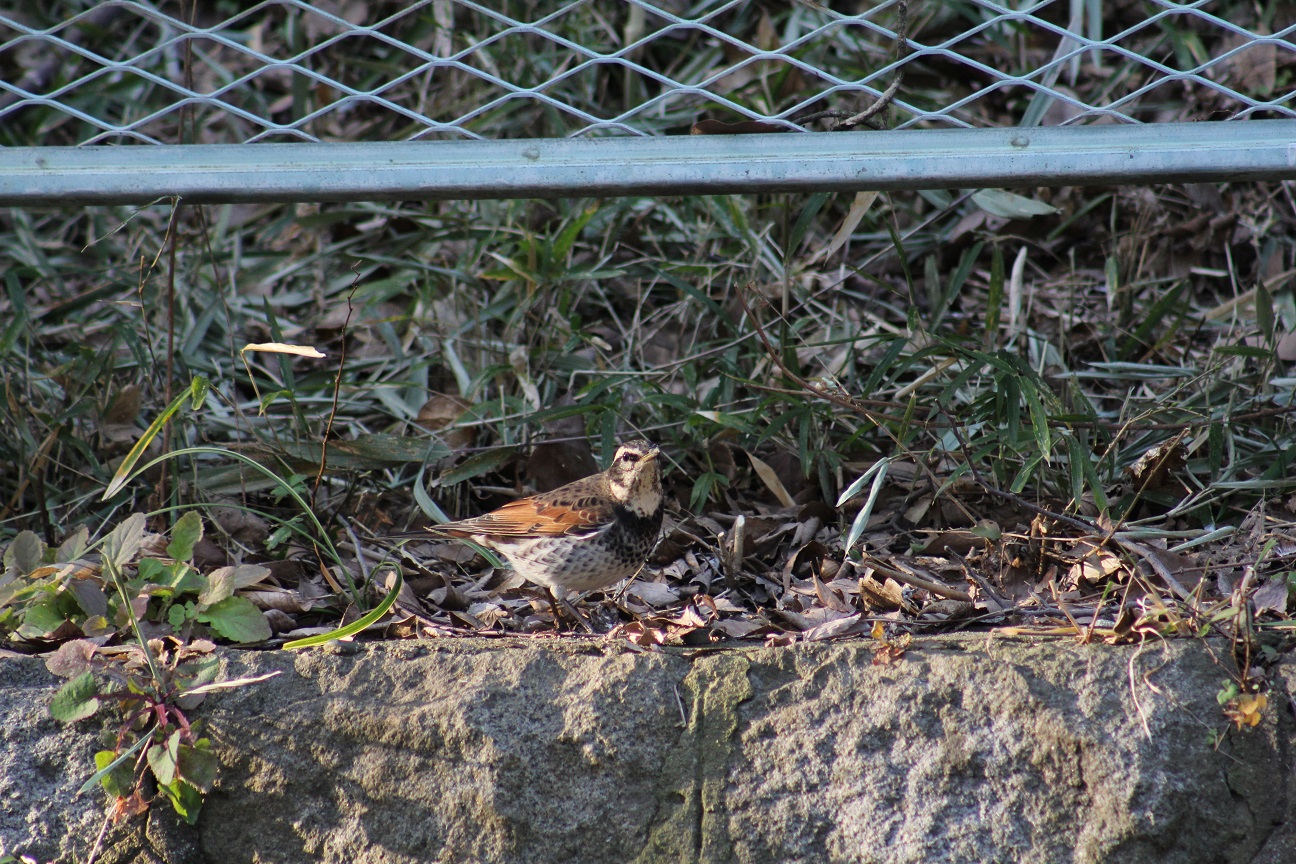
x,y
71,659
442,410
283,348
848,625
1246,710
738,628
1154,467
880,595
1271,596
641,634
771,480
887,651
1094,569
1253,69
654,594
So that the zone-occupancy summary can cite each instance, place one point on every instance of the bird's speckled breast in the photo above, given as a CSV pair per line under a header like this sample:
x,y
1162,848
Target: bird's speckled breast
x,y
614,553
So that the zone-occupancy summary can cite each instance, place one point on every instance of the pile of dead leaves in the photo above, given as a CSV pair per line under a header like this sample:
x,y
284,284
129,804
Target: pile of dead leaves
x,y
775,572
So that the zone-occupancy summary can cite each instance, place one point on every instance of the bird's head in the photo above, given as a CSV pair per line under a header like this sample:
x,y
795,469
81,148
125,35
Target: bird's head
x,y
634,479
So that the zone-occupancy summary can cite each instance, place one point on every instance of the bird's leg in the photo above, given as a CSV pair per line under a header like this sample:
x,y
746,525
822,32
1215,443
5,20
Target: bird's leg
x,y
556,600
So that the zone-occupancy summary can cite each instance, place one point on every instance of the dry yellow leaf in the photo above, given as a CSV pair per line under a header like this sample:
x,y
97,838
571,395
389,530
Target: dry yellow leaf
x,y
283,348
1249,708
771,481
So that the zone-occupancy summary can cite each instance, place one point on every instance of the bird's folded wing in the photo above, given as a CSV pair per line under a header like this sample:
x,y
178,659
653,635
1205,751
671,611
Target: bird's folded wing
x,y
530,518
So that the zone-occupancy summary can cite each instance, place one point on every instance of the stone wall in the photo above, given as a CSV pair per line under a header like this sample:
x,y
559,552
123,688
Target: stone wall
x,y
975,749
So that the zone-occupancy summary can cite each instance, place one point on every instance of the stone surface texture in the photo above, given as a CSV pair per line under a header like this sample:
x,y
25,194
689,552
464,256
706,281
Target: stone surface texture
x,y
973,749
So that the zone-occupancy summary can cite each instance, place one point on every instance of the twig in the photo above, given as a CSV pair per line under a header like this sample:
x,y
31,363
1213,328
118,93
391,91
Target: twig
x,y
882,102
1134,691
822,392
679,701
1156,564
828,114
888,95
917,581
1078,524
337,384
1004,604
98,844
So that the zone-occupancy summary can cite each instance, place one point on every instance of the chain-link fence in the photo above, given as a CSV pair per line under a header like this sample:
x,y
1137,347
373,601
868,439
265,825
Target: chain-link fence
x,y
359,71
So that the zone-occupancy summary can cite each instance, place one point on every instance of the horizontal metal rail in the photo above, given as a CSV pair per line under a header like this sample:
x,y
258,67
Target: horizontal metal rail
x,y
684,165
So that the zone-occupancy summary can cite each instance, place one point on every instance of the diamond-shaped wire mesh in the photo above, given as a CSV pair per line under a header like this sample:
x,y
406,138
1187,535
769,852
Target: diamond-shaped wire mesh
x,y
355,70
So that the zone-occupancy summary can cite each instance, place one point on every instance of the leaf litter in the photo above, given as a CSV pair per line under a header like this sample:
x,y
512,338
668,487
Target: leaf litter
x,y
770,572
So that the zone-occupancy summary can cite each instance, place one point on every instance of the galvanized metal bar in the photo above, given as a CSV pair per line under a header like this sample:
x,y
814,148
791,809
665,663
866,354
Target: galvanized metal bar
x,y
683,165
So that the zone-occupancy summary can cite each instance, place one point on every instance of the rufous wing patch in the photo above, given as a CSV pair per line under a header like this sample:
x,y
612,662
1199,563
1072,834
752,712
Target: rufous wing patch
x,y
530,518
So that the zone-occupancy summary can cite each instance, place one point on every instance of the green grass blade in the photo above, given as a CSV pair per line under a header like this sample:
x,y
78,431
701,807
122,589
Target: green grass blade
x,y
861,518
355,626
196,391
107,769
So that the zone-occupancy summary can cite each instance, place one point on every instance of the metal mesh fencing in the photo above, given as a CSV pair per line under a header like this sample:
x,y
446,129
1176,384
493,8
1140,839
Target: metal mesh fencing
x,y
284,70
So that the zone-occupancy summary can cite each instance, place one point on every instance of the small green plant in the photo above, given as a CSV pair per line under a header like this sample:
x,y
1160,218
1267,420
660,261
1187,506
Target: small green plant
x,y
216,606
56,594
153,682
144,583
152,687
32,606
188,599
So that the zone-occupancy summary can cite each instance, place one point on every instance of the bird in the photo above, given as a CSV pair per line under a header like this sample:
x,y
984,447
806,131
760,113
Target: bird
x,y
585,536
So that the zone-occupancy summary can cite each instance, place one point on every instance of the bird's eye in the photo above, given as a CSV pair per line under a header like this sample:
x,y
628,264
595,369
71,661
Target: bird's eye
x,y
629,457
